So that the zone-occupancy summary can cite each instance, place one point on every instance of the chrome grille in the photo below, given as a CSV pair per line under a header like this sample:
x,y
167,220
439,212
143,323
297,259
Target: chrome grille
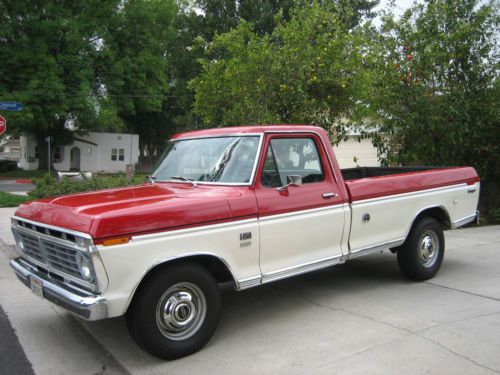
x,y
56,256
31,246
53,251
61,258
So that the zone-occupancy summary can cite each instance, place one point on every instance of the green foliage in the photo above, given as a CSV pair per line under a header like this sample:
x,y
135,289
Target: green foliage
x,y
12,200
309,70
48,186
436,94
135,69
48,64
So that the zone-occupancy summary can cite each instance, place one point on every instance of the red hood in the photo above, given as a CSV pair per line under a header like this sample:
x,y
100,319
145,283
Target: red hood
x,y
140,209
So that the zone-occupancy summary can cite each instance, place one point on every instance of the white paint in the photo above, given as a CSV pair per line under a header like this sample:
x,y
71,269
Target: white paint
x,y
290,240
353,153
391,217
95,152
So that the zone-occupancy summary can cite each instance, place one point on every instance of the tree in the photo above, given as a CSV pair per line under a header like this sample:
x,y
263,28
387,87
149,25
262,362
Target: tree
x,y
135,68
309,70
435,97
48,64
436,89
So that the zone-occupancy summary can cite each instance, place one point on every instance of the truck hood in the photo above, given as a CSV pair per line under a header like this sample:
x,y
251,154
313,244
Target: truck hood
x,y
133,210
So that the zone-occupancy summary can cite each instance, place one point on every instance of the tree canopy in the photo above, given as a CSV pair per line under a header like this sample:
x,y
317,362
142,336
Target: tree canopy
x,y
49,64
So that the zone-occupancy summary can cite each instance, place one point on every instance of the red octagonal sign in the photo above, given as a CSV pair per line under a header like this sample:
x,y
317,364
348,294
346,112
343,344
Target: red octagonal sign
x,y
3,125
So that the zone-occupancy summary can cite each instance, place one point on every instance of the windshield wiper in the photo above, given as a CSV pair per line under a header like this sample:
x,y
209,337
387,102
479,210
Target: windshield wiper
x,y
184,179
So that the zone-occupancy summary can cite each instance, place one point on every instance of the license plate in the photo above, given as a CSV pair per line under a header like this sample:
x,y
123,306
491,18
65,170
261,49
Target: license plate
x,y
36,286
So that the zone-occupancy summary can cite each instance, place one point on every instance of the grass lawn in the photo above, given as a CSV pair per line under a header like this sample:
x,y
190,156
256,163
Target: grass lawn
x,y
12,200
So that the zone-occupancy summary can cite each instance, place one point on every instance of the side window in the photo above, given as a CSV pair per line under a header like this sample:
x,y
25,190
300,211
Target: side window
x,y
291,156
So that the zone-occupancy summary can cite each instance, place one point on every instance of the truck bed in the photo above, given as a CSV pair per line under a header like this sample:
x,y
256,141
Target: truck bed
x,y
350,174
372,182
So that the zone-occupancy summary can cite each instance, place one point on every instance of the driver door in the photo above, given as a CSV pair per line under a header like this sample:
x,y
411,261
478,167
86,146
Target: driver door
x,y
300,226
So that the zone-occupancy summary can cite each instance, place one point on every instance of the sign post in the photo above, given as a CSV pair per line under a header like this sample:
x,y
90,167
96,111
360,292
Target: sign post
x,y
48,139
3,125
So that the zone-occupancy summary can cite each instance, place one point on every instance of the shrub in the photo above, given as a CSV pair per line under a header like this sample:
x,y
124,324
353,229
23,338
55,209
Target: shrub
x,y
48,186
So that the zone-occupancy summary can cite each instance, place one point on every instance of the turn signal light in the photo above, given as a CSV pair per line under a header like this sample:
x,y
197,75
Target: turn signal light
x,y
115,241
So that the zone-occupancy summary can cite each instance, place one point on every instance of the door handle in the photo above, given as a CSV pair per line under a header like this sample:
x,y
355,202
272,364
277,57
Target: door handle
x,y
330,195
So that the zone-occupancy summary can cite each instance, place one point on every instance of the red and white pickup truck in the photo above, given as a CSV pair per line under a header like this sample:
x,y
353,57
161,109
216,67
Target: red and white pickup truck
x,y
246,205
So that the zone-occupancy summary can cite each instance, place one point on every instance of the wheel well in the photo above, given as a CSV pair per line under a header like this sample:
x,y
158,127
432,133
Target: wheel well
x,y
214,265
438,213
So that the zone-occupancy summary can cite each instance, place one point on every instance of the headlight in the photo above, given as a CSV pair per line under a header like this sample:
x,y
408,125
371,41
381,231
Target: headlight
x,y
85,266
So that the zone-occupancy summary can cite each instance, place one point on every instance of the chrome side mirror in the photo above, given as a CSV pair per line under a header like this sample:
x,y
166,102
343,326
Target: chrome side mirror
x,y
292,180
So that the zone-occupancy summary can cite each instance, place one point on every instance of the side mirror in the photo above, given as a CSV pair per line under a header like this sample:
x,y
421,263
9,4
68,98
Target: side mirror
x,y
292,180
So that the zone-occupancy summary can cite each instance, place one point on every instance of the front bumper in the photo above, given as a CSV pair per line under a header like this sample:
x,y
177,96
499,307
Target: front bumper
x,y
84,305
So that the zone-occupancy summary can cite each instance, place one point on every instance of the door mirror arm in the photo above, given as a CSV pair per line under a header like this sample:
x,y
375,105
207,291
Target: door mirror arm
x,y
292,180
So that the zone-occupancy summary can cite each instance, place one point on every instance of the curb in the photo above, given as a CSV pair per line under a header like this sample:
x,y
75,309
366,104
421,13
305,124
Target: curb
x,y
24,181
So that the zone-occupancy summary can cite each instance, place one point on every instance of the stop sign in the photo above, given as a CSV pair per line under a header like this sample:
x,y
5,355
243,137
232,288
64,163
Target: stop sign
x,y
3,125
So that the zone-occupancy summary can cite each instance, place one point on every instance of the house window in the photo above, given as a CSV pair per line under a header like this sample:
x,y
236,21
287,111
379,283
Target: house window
x,y
37,153
117,154
56,156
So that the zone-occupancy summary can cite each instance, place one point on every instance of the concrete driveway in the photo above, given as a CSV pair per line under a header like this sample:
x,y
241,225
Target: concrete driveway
x,y
358,318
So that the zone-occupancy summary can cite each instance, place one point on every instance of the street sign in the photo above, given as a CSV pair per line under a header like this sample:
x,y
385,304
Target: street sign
x,y
3,125
10,106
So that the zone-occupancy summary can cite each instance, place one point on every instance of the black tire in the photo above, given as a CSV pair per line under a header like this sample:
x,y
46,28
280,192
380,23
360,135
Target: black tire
x,y
175,312
421,256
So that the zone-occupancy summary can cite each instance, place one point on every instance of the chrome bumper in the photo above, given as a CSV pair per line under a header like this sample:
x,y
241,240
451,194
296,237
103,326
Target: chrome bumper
x,y
86,306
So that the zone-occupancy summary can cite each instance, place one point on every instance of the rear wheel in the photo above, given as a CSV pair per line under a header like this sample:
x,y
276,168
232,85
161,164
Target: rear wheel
x,y
176,311
421,256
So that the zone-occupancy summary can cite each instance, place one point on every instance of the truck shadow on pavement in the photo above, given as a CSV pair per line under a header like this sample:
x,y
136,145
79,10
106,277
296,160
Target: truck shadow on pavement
x,y
271,311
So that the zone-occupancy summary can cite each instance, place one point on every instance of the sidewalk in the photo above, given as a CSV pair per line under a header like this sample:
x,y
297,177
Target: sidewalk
x,y
360,317
53,340
19,187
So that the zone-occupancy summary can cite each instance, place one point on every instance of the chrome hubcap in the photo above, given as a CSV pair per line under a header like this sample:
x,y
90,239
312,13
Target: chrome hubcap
x,y
429,248
181,311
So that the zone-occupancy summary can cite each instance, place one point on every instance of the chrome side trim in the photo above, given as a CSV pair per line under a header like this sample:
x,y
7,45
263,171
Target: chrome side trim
x,y
463,221
340,206
86,306
248,282
202,228
297,270
375,248
405,195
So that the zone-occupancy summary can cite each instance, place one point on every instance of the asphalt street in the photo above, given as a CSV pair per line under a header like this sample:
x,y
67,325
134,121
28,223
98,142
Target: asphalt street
x,y
13,187
362,317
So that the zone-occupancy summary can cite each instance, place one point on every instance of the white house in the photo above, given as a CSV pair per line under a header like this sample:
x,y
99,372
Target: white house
x,y
93,152
352,153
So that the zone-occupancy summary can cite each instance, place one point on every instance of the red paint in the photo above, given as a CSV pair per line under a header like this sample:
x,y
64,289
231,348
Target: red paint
x,y
374,187
160,207
3,125
24,181
307,196
142,209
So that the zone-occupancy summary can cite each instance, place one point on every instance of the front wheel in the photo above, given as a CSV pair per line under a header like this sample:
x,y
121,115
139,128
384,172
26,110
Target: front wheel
x,y
421,256
176,311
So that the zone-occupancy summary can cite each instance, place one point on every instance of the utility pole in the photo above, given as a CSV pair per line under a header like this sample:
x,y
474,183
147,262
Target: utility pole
x,y
48,140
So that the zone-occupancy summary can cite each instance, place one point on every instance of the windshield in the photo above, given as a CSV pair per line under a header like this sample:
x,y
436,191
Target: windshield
x,y
218,160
